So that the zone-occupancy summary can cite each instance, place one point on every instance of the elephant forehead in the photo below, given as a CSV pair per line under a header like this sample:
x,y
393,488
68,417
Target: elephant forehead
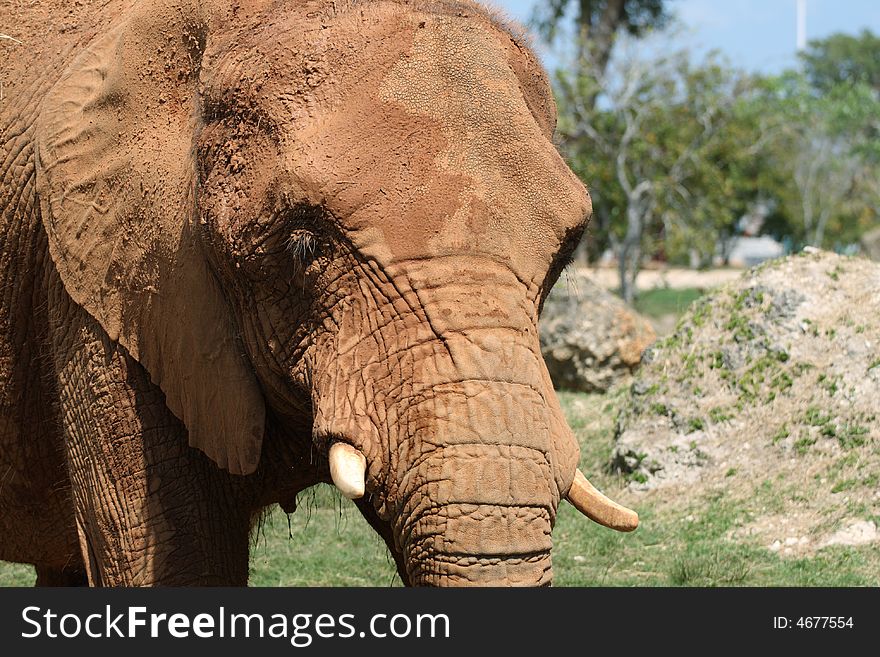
x,y
439,153
456,75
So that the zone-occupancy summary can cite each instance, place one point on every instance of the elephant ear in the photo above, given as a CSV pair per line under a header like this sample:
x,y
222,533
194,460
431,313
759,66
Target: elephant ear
x,y
116,179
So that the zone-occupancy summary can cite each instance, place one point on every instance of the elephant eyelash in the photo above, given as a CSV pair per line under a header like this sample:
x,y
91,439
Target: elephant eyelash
x,y
566,261
303,240
302,244
564,257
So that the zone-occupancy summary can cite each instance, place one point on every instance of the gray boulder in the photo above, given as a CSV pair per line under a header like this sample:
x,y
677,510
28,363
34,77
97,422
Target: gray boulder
x,y
870,244
590,339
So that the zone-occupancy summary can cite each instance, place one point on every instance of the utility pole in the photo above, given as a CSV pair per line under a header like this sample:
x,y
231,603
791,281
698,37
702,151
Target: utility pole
x,y
801,25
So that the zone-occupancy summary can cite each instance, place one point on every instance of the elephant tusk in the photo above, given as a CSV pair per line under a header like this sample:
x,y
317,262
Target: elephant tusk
x,y
598,508
347,468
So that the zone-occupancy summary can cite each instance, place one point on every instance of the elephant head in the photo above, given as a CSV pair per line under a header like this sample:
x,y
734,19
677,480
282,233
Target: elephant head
x,y
342,216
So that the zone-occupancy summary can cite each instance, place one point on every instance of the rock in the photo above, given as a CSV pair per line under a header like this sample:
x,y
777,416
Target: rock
x,y
776,372
590,339
870,244
859,532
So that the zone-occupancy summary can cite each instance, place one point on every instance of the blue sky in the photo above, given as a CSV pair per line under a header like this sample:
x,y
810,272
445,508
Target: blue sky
x,y
757,35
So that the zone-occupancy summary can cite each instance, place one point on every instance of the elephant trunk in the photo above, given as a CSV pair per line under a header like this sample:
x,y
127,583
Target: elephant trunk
x,y
478,515
442,413
476,486
469,473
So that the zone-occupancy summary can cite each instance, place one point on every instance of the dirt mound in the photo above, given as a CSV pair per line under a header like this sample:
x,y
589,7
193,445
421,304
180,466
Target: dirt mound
x,y
773,380
590,339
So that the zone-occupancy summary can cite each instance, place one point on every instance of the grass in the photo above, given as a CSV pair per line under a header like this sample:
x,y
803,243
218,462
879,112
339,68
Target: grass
x,y
684,540
659,302
328,543
16,574
663,552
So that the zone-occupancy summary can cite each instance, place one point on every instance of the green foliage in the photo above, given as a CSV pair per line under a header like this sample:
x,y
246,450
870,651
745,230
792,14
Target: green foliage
x,y
691,544
802,445
696,424
815,417
668,152
659,409
635,16
16,574
599,21
852,436
325,543
824,144
719,414
843,59
676,150
719,567
841,486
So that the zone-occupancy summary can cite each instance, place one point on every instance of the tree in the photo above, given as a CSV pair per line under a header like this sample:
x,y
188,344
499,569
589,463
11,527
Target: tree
x,y
675,152
843,59
656,150
830,189
597,24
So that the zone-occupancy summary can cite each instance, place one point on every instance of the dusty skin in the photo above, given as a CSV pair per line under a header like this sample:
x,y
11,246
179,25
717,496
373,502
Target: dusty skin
x,y
234,235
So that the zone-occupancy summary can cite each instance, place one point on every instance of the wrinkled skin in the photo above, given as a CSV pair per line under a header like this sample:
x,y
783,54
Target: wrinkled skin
x,y
234,233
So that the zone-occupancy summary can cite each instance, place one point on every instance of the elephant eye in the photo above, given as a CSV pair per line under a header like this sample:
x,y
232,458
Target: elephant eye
x,y
304,237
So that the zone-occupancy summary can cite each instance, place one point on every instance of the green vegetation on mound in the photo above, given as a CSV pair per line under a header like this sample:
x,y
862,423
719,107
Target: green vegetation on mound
x,y
769,384
689,535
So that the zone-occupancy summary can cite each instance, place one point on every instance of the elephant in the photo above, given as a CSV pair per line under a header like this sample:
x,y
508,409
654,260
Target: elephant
x,y
251,246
